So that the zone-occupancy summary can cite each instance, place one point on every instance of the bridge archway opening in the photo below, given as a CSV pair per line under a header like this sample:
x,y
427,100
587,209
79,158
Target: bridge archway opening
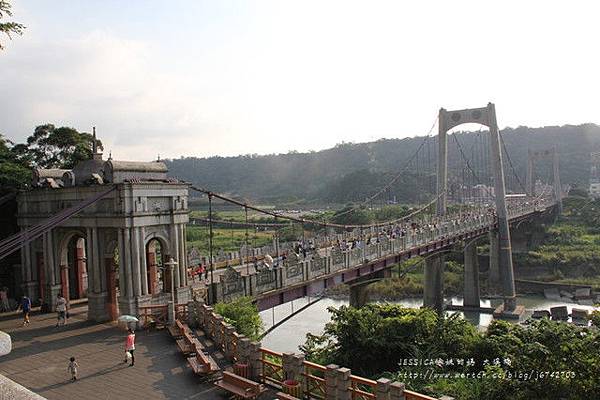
x,y
157,276
73,266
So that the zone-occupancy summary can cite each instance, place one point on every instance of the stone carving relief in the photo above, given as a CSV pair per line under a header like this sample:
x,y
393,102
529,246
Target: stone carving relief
x,y
337,257
232,282
140,204
386,244
318,263
292,258
293,270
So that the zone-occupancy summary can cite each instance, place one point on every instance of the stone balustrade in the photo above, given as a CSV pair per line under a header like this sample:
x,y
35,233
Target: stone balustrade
x,y
338,383
373,244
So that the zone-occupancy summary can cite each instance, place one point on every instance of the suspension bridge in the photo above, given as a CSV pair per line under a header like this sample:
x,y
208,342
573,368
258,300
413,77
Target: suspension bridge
x,y
98,230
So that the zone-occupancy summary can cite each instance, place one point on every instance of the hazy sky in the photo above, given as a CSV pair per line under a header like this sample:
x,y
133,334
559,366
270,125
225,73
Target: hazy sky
x,y
229,77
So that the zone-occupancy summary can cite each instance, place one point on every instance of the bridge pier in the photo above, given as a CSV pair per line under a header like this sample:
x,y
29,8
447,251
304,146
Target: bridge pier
x,y
471,291
434,283
358,295
494,272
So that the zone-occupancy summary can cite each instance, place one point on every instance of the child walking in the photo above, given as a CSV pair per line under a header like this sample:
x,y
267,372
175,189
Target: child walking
x,y
72,368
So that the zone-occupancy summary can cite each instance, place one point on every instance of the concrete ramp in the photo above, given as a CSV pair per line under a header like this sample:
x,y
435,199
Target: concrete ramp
x,y
12,390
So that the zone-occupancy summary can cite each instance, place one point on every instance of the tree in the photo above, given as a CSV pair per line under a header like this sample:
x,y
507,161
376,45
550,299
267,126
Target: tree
x,y
51,147
359,216
8,28
14,173
374,339
243,315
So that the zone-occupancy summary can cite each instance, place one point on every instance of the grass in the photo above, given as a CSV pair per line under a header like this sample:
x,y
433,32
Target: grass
x,y
570,251
228,215
570,248
226,239
408,284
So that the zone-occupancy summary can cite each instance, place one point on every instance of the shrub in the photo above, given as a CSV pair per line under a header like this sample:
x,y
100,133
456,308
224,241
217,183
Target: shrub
x,y
243,315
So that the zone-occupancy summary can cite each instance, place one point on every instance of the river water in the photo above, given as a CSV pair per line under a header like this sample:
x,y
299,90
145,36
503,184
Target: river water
x,y
292,333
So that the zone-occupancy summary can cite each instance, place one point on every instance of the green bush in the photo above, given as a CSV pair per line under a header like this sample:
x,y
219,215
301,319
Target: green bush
x,y
243,315
372,340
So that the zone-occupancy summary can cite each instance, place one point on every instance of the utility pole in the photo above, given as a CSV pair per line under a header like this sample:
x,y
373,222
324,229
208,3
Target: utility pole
x,y
210,248
556,180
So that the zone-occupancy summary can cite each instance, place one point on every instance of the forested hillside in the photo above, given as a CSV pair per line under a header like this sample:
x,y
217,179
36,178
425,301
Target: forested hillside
x,y
351,172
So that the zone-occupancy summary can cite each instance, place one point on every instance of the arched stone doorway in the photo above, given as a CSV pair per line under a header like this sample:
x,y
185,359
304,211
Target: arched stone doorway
x,y
158,277
73,266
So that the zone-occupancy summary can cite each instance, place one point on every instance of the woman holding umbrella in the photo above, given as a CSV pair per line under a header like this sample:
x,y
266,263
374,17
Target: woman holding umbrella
x,y
130,347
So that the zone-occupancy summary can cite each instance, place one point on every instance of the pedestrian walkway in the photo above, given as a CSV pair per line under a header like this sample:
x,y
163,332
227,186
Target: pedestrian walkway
x,y
41,354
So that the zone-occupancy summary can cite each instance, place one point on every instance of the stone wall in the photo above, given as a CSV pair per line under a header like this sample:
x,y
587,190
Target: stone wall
x,y
239,348
10,389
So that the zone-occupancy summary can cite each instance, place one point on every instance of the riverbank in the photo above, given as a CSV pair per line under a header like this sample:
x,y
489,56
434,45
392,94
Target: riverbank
x,y
292,334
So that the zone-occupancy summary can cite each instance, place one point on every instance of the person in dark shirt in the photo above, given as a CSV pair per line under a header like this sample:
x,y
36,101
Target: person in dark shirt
x,y
25,305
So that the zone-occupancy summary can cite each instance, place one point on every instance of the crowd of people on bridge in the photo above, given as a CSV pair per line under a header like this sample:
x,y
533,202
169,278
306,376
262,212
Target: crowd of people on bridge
x,y
413,230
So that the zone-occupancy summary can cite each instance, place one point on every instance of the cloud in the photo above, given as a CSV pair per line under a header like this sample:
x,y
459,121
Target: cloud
x,y
226,78
104,80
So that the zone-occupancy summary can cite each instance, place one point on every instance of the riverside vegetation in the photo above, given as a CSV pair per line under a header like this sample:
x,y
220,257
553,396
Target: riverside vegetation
x,y
374,340
570,252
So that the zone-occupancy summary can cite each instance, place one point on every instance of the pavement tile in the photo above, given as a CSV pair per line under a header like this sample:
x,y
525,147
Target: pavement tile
x,y
41,353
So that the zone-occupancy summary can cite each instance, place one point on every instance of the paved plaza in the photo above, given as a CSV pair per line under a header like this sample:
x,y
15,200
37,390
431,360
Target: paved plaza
x,y
41,354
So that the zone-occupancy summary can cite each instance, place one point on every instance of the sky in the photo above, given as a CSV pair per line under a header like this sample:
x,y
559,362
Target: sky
x,y
206,78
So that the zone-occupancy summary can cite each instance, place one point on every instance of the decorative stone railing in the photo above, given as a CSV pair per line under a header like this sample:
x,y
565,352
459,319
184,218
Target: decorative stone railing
x,y
329,382
252,254
296,269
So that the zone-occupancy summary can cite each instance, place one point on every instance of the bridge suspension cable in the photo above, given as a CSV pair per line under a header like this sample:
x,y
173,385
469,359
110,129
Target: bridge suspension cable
x,y
510,163
309,221
468,164
14,242
397,176
236,223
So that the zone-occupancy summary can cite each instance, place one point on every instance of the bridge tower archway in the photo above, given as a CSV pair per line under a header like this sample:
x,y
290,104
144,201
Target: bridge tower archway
x,y
485,116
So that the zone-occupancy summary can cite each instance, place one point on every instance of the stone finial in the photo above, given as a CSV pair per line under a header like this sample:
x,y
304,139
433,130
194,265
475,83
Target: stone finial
x,y
343,383
383,389
397,391
331,382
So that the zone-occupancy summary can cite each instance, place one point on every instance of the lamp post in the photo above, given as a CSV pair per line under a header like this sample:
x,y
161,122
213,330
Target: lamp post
x,y
171,266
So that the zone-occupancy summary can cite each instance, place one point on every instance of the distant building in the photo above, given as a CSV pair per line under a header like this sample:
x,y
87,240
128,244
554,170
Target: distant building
x,y
595,174
472,194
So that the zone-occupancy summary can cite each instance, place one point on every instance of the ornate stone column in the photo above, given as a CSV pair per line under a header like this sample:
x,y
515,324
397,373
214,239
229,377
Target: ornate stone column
x,y
80,267
182,256
53,288
64,282
135,261
152,272
143,264
127,304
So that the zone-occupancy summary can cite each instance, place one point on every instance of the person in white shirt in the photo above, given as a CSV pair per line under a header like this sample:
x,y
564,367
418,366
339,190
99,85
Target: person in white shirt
x,y
61,310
